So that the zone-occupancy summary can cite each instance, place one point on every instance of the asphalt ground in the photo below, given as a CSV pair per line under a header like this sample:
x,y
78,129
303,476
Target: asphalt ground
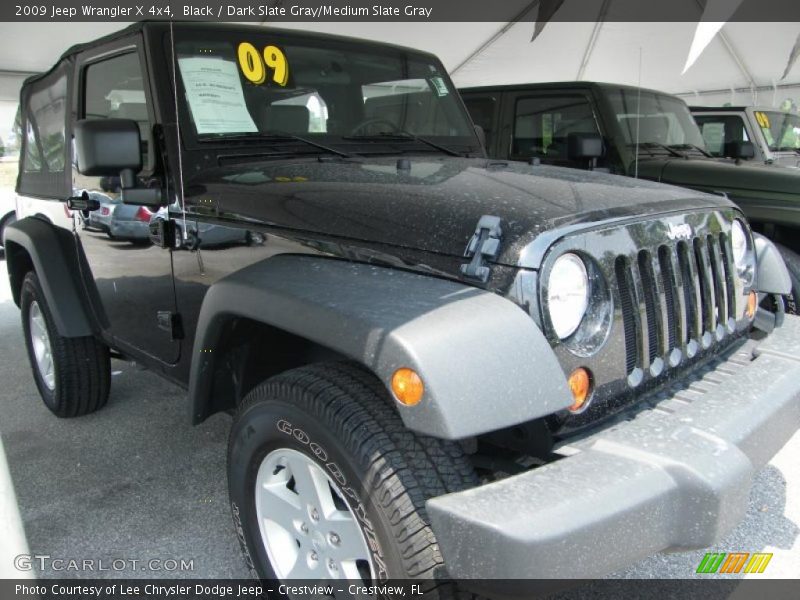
x,y
136,483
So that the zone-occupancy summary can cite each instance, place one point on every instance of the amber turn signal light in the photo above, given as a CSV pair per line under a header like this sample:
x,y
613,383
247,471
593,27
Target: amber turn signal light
x,y
580,384
752,304
407,386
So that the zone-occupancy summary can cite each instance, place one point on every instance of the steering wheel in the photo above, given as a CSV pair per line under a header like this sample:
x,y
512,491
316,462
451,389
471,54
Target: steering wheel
x,y
368,122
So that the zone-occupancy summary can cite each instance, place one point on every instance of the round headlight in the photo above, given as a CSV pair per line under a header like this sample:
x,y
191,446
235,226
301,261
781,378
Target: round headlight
x,y
739,243
567,294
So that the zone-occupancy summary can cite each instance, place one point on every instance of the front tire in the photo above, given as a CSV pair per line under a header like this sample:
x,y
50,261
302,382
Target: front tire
x,y
792,260
331,428
73,375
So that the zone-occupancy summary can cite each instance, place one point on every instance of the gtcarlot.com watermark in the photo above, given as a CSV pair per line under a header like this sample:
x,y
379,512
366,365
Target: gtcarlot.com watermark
x,y
46,562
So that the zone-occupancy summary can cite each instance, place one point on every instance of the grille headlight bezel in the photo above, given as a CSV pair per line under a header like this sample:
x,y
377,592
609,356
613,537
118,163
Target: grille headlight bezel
x,y
743,251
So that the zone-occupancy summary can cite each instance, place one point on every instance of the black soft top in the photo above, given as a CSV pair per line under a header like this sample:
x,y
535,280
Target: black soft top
x,y
562,85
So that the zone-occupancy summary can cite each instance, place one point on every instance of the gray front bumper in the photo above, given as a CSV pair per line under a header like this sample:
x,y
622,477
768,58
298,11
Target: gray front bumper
x,y
676,476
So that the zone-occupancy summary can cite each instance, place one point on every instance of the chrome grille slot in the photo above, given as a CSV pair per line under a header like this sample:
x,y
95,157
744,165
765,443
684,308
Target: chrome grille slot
x,y
670,289
624,285
650,295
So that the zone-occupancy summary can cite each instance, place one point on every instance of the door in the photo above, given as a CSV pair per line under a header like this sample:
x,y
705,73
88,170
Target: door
x,y
135,297
541,123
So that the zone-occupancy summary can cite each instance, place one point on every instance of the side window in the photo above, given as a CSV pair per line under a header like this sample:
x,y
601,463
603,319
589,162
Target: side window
x,y
720,130
45,147
114,89
41,127
541,125
482,111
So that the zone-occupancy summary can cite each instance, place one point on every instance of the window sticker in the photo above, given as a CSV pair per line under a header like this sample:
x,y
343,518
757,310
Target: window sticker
x,y
762,119
215,96
254,64
440,86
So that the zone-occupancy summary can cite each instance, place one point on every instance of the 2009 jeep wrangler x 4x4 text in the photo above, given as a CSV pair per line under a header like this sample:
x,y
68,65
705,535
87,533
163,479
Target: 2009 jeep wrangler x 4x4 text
x,y
440,365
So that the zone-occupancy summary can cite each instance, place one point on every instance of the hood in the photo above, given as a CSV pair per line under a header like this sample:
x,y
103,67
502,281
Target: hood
x,y
722,176
434,205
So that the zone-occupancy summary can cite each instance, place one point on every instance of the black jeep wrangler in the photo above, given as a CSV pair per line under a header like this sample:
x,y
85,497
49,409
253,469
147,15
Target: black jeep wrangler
x,y
439,364
643,134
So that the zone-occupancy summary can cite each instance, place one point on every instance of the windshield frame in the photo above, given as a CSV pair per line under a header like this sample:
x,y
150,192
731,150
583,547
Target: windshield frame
x,y
251,144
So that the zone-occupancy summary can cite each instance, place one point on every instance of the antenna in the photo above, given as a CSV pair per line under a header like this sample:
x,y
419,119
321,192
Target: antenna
x,y
638,116
178,127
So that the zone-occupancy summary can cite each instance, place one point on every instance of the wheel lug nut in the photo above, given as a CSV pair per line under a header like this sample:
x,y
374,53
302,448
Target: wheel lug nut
x,y
313,556
304,528
332,565
314,514
334,539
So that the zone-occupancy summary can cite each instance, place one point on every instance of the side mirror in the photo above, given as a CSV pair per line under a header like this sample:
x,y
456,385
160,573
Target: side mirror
x,y
740,150
107,146
481,135
113,147
582,146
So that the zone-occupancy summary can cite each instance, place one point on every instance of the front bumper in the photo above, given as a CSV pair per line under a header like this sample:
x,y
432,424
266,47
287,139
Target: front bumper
x,y
675,476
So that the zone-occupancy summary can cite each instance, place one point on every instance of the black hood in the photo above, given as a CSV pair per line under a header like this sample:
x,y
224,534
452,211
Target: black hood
x,y
433,206
722,175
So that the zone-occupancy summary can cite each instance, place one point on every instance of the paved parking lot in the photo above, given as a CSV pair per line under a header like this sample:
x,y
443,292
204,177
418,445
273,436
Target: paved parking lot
x,y
137,482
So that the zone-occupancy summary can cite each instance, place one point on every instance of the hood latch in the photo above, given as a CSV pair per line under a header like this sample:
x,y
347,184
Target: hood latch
x,y
483,246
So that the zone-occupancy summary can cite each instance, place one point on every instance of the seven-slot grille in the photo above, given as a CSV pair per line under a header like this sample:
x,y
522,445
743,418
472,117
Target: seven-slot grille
x,y
675,300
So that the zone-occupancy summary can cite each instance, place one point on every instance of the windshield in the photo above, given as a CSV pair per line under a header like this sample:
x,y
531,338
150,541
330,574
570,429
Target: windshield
x,y
254,84
781,129
660,119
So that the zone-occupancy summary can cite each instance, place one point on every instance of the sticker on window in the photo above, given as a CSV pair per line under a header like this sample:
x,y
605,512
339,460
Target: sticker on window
x,y
215,96
439,86
254,64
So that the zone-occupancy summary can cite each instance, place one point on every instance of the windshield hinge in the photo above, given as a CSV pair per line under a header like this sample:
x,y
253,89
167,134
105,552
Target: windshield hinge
x,y
483,246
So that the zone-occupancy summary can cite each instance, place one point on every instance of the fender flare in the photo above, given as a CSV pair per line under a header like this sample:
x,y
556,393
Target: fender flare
x,y
772,274
484,362
52,252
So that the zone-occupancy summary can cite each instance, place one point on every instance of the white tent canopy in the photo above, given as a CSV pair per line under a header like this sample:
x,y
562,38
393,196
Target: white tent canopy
x,y
743,63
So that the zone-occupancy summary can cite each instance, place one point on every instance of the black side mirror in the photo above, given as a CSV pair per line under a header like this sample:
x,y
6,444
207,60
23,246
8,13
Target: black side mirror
x,y
582,146
112,147
107,146
481,135
740,150
585,147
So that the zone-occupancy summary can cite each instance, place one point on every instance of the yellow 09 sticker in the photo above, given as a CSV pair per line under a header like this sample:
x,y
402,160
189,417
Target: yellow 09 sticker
x,y
254,64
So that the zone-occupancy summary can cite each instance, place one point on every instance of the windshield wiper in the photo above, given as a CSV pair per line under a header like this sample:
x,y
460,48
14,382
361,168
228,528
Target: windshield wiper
x,y
651,145
276,136
405,135
691,147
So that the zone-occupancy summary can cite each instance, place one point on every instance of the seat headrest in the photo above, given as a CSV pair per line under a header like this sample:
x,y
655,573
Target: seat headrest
x,y
289,118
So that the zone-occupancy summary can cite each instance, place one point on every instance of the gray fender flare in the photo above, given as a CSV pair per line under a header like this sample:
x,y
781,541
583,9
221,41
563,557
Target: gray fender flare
x,y
484,362
53,255
772,274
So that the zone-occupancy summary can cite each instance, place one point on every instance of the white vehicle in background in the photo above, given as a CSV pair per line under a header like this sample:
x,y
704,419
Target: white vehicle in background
x,y
773,133
51,211
7,210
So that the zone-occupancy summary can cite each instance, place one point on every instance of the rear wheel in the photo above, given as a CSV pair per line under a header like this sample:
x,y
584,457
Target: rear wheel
x,y
73,375
326,482
792,260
